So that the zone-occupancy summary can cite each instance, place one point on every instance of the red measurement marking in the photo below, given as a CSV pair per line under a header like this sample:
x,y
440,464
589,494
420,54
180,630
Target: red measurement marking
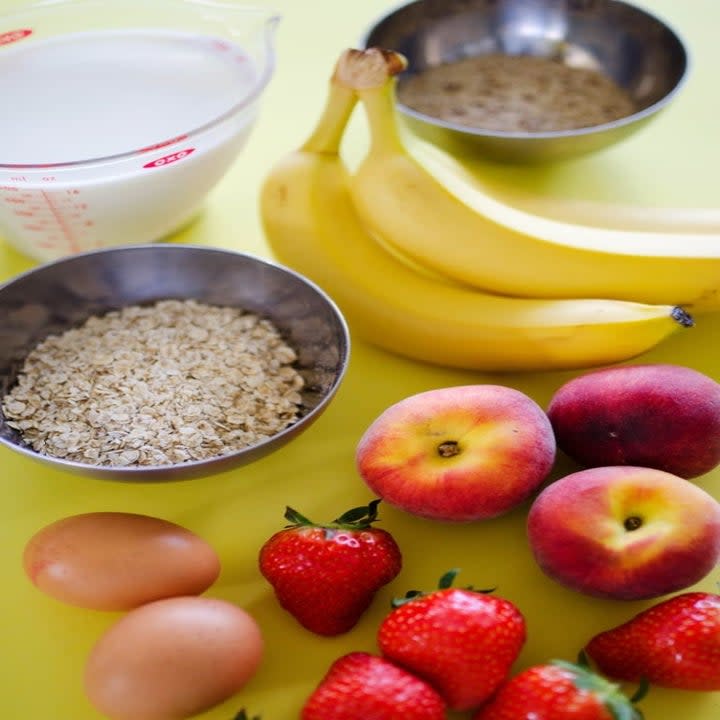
x,y
157,146
14,35
167,159
64,227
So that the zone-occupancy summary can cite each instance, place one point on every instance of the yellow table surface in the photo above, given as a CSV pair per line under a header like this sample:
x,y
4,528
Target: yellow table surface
x,y
44,643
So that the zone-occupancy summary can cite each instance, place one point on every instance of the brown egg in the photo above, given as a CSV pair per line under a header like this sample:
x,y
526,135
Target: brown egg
x,y
117,561
172,659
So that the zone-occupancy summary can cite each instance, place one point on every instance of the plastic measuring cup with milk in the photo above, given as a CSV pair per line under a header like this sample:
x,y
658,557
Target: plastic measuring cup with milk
x,y
120,115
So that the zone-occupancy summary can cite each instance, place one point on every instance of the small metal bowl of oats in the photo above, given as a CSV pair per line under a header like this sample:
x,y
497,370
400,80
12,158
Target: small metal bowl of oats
x,y
163,362
530,81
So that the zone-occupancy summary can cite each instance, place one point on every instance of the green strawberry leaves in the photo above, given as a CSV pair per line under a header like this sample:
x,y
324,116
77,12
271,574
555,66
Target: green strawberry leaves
x,y
444,583
448,579
609,694
364,515
641,692
242,715
357,518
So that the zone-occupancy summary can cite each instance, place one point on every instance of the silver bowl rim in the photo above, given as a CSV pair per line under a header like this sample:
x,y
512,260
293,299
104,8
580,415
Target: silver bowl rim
x,y
552,134
192,468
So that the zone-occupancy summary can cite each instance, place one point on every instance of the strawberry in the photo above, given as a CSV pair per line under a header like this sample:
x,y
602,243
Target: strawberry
x,y
327,575
460,640
559,690
675,643
360,686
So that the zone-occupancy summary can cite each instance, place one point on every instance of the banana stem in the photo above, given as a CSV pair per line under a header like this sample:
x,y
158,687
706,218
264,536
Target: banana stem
x,y
328,132
379,104
371,74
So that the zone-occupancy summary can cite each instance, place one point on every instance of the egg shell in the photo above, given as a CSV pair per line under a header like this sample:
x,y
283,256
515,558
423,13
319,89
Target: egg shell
x,y
118,561
172,659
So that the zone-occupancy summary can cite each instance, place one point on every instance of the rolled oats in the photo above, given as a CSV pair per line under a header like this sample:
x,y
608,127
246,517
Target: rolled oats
x,y
516,93
159,384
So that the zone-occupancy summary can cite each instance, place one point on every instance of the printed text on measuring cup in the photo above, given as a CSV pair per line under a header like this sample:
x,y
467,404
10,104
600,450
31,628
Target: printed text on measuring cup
x,y
14,35
167,159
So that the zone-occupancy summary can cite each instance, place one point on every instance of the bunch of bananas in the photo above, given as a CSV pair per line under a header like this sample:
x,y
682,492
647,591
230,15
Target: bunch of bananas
x,y
467,282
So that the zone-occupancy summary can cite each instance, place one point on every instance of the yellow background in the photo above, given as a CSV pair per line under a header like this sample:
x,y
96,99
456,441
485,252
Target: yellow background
x,y
44,644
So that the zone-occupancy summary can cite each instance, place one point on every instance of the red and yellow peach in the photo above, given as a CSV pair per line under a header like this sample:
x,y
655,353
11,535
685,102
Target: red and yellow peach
x,y
625,532
656,415
458,453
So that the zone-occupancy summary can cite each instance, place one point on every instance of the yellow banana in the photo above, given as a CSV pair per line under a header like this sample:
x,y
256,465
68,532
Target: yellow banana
x,y
311,225
449,168
477,240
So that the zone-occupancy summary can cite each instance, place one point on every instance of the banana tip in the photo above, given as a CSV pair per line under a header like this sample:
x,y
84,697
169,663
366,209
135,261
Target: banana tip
x,y
682,316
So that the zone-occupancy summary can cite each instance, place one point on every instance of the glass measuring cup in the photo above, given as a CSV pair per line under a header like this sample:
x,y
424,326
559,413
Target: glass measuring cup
x,y
121,115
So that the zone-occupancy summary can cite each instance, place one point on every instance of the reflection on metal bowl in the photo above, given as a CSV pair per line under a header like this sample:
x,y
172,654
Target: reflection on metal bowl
x,y
636,50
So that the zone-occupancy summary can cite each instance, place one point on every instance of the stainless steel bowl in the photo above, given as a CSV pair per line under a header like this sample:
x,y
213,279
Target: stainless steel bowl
x,y
638,51
59,295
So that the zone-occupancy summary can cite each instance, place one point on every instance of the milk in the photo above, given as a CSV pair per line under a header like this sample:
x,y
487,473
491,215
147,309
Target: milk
x,y
160,116
89,95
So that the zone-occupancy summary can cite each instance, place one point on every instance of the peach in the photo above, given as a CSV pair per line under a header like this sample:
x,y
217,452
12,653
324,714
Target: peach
x,y
458,453
625,532
661,416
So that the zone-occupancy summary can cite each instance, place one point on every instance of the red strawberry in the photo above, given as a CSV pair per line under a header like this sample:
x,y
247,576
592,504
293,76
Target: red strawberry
x,y
462,641
360,686
327,575
558,691
675,643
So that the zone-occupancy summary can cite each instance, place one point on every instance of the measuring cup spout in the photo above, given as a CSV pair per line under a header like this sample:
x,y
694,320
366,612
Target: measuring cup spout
x,y
269,22
246,21
252,27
